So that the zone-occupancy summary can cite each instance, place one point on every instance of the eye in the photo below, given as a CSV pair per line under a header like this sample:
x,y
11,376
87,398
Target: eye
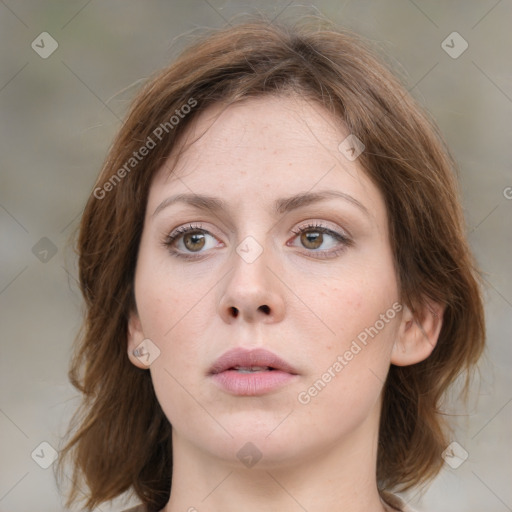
x,y
190,239
318,238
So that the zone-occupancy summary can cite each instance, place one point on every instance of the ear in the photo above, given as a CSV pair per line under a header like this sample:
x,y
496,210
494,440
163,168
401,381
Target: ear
x,y
417,335
135,338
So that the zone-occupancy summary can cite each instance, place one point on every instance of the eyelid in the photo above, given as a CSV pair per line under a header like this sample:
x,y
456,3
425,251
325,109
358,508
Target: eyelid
x,y
339,234
176,234
336,232
185,228
344,240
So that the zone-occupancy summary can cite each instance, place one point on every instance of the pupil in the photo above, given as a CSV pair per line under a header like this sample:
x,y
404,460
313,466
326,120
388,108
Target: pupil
x,y
194,241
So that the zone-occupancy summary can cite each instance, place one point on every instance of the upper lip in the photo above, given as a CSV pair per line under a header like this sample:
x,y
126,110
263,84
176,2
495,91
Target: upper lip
x,y
240,357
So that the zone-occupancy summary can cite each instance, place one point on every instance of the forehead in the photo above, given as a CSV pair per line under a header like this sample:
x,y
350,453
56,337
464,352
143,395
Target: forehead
x,y
261,148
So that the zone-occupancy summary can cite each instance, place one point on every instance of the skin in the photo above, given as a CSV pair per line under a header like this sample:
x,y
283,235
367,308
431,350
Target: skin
x,y
316,300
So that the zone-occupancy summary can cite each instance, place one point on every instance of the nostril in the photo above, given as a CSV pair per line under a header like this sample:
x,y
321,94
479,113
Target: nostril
x,y
234,312
265,309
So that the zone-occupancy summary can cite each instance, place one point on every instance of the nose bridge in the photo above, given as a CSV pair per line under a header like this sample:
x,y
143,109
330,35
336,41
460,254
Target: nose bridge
x,y
251,292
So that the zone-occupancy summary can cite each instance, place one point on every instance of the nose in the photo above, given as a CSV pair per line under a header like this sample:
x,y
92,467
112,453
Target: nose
x,y
252,293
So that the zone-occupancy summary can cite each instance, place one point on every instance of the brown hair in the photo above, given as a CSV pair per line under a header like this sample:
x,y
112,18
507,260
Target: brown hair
x,y
121,439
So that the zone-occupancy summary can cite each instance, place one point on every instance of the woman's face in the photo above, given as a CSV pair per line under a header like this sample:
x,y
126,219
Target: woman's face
x,y
267,243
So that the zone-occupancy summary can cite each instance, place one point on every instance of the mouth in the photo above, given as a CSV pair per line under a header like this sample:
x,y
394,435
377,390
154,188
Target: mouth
x,y
252,369
250,361
251,372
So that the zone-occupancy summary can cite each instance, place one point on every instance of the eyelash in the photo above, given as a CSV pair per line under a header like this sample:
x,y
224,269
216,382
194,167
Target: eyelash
x,y
322,254
179,232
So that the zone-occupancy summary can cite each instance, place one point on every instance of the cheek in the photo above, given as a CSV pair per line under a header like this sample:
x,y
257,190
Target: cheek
x,y
360,324
168,299
347,307
349,371
172,314
176,371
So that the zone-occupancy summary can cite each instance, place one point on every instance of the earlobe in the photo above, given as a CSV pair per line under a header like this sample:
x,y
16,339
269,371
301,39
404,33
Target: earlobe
x,y
135,338
417,335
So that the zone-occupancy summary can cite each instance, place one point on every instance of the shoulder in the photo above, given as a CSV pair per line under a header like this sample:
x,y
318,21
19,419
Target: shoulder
x,y
390,499
396,503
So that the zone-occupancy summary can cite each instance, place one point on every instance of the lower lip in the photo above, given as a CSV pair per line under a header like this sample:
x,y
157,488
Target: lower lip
x,y
252,384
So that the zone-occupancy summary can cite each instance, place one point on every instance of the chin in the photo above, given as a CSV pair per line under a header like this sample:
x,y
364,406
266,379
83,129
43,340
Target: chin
x,y
257,440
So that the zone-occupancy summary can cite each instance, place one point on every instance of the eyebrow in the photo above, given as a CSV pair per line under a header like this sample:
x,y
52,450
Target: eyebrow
x,y
281,206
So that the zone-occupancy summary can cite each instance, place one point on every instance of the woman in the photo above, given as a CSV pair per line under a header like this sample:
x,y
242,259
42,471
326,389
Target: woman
x,y
278,287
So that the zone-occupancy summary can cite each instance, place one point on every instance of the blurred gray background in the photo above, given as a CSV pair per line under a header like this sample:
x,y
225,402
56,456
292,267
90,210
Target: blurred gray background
x,y
59,114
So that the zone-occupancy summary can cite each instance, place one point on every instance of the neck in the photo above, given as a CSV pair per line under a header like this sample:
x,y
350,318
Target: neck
x,y
337,477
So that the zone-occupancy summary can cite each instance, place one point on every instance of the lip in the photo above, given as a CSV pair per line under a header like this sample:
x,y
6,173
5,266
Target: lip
x,y
231,380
